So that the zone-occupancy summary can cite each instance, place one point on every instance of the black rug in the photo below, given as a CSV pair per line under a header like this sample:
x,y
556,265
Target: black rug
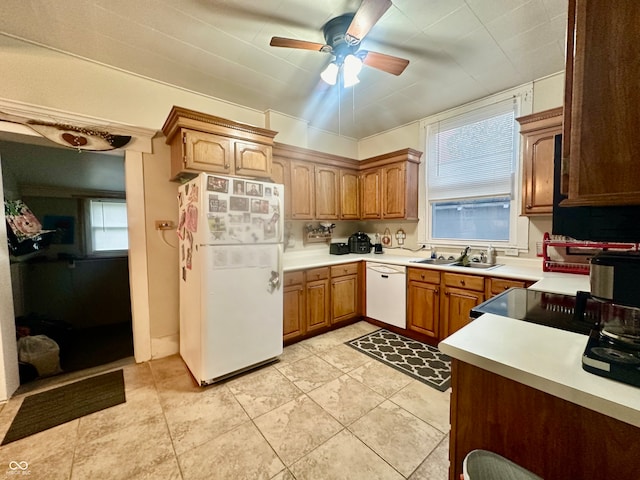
x,y
418,360
45,410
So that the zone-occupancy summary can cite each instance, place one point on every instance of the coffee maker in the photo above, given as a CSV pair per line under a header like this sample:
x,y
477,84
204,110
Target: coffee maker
x,y
613,347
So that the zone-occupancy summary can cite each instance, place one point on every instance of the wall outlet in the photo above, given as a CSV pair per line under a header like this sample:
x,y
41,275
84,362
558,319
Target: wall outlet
x,y
511,252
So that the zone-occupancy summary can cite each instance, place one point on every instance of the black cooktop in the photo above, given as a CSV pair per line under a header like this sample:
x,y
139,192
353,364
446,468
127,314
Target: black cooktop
x,y
549,309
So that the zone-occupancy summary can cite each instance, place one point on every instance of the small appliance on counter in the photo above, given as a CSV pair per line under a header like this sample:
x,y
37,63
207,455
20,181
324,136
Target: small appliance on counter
x,y
613,348
359,242
338,248
377,247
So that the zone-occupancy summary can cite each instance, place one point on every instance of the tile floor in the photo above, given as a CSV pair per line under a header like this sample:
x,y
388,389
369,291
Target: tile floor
x,y
324,411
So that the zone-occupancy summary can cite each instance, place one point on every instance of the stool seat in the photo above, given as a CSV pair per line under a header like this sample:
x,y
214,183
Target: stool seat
x,y
485,465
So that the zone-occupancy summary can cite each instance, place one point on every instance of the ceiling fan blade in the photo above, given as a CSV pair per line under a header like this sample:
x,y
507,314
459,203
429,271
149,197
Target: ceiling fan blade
x,y
386,63
301,44
365,18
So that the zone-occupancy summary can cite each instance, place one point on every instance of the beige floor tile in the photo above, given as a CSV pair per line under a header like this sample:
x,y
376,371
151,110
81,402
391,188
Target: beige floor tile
x,y
195,417
125,453
426,403
323,342
49,454
167,470
309,373
240,454
293,353
344,357
167,368
261,391
296,428
355,330
284,475
346,399
142,406
399,437
343,457
381,378
136,376
436,465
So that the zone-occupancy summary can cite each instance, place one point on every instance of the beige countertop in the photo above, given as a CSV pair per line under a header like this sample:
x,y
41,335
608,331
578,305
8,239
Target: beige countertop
x,y
509,267
544,358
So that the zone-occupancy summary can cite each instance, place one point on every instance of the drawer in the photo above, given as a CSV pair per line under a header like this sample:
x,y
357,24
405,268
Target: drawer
x,y
292,278
346,269
468,282
423,275
317,274
499,285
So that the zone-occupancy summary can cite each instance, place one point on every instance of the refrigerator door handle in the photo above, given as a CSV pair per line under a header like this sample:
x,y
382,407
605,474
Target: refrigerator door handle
x,y
274,282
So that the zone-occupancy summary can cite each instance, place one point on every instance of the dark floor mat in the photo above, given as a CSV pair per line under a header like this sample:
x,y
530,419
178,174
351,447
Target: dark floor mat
x,y
45,410
419,360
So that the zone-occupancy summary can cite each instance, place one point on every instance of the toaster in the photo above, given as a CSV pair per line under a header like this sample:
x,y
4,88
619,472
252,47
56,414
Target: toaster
x,y
338,248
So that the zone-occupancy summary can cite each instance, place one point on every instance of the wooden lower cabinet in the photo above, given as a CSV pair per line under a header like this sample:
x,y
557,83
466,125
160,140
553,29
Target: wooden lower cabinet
x,y
317,298
494,286
460,294
423,301
547,435
345,292
293,321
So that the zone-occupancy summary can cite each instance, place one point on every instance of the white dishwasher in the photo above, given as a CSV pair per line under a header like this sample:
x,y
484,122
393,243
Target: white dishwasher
x,y
387,294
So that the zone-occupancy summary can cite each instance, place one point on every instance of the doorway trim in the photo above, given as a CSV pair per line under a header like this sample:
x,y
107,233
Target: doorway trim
x,y
141,142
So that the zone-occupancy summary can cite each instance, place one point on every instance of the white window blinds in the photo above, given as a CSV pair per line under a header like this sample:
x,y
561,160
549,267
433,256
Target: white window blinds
x,y
473,154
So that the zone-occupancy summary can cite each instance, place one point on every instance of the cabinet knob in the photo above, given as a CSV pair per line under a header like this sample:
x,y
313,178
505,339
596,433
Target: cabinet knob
x,y
446,293
506,288
436,292
461,282
529,206
226,165
422,276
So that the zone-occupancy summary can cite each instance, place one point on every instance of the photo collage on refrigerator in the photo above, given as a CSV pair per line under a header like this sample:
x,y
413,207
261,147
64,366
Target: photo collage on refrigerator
x,y
238,211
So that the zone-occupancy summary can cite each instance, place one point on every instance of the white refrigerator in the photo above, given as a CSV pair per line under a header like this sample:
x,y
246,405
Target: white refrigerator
x,y
230,242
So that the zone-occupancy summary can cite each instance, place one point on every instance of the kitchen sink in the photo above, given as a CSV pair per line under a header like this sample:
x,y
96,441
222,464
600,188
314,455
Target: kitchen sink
x,y
435,261
480,265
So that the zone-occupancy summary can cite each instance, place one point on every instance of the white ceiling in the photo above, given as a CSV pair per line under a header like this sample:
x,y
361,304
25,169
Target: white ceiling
x,y
459,50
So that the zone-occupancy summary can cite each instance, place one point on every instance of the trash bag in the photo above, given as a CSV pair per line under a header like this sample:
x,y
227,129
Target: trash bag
x,y
42,352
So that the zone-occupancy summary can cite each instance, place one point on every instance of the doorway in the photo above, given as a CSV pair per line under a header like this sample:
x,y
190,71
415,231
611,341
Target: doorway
x,y
67,291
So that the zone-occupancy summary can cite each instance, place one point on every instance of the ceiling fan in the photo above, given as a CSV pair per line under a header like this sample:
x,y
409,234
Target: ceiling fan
x,y
343,35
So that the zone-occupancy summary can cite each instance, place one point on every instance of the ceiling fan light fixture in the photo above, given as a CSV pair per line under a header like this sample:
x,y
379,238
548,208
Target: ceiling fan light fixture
x,y
352,66
330,74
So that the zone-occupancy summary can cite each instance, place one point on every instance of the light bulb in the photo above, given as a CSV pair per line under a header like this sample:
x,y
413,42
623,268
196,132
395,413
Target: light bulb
x,y
350,70
330,74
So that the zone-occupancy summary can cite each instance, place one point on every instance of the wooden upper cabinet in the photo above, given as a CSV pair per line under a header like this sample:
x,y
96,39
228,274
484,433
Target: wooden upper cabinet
x,y
538,131
389,185
370,194
302,191
252,159
280,173
327,192
349,198
201,142
204,152
601,103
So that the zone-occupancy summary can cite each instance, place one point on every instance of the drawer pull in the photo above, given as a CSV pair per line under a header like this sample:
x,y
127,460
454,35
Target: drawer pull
x,y
461,282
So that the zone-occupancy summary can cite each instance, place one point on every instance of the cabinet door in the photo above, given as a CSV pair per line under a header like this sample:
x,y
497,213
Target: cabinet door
x,y
393,191
317,299
252,159
293,312
456,307
206,152
423,310
280,174
349,198
371,202
603,98
538,131
327,185
344,298
302,191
